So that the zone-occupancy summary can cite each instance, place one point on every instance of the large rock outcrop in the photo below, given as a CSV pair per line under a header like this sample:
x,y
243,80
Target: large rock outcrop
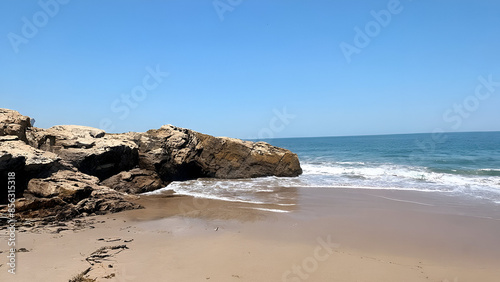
x,y
68,170
224,157
48,186
87,148
181,154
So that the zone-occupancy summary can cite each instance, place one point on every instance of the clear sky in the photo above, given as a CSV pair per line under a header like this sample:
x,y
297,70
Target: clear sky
x,y
254,68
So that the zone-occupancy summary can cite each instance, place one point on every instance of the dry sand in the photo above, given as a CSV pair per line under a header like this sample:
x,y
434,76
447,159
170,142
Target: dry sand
x,y
329,235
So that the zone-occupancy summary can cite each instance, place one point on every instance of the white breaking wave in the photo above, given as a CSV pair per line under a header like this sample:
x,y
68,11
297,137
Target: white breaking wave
x,y
270,210
348,175
385,174
159,191
255,191
400,177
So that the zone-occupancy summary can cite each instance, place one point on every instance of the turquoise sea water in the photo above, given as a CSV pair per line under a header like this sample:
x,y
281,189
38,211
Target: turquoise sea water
x,y
457,163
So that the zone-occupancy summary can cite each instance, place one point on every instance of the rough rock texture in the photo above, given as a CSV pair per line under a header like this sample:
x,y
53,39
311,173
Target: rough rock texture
x,y
233,158
12,149
67,193
26,162
41,208
87,148
135,181
68,170
70,186
13,123
104,200
100,201
180,154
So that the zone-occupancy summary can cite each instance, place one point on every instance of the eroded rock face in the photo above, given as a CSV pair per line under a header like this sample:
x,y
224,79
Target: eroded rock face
x,y
68,170
26,162
173,153
35,160
87,148
135,181
70,186
99,202
68,193
170,152
226,157
13,123
106,200
181,154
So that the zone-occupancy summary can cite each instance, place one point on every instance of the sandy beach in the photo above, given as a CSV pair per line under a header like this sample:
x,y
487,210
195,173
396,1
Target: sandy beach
x,y
328,235
252,141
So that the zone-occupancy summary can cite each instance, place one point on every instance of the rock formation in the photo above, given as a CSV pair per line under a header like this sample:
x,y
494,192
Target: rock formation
x,y
26,161
69,170
135,181
69,193
180,154
86,148
13,123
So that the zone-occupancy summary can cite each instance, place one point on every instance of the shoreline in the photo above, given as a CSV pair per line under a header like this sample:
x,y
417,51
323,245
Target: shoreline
x,y
373,235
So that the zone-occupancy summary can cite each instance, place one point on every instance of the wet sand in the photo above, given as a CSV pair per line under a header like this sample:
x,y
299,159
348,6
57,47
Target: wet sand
x,y
327,235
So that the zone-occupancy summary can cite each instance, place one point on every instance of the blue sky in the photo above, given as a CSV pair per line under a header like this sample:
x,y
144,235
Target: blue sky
x,y
255,68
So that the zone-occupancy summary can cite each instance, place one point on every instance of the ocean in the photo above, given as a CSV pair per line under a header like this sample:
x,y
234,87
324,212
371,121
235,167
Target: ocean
x,y
466,164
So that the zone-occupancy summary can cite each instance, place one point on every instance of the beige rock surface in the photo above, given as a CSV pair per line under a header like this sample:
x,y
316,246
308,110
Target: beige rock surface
x,y
13,123
87,148
179,154
135,181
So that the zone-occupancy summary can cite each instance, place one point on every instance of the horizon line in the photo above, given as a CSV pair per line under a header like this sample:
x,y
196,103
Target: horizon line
x,y
368,135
